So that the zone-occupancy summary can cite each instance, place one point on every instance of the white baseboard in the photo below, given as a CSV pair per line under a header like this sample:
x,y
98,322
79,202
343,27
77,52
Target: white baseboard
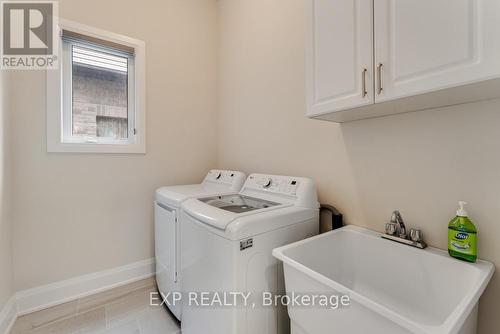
x,y
8,315
49,295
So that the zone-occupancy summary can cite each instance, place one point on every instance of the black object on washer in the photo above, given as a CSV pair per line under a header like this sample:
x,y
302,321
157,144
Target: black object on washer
x,y
337,218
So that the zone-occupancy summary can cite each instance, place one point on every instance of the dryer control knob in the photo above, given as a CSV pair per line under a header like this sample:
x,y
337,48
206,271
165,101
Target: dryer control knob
x,y
268,183
218,176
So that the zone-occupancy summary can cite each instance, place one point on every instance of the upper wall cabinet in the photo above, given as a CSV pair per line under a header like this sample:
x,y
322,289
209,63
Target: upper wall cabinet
x,y
370,58
340,55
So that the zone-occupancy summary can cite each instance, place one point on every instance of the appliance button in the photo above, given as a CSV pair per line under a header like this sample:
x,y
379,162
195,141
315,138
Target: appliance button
x,y
268,183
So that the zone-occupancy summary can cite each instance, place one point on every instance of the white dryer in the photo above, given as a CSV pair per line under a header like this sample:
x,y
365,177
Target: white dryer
x,y
227,244
168,220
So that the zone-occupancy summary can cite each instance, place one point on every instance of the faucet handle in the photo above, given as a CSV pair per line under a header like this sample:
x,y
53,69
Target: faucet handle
x,y
391,228
416,235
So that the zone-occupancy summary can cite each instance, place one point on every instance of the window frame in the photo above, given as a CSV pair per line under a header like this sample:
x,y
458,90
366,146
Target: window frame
x,y
59,99
67,109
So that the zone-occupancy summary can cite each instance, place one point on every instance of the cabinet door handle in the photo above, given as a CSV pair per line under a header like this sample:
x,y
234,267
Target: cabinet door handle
x,y
379,74
363,82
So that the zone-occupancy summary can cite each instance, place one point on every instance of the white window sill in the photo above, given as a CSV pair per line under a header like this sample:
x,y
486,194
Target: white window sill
x,y
96,148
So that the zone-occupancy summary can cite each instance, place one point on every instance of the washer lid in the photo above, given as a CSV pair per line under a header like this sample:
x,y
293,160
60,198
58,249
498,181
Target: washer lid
x,y
175,195
215,183
221,217
238,203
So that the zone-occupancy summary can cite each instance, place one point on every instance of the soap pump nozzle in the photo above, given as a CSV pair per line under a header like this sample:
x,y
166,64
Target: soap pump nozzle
x,y
461,212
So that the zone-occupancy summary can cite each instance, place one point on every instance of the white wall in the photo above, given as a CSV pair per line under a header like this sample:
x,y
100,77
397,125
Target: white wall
x,y
420,163
6,288
81,213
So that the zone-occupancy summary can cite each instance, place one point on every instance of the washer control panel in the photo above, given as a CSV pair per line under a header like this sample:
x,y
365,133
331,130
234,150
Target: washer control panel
x,y
227,180
275,184
299,191
222,176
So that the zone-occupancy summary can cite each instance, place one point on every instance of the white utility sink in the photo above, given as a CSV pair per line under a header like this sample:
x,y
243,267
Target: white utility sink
x,y
393,288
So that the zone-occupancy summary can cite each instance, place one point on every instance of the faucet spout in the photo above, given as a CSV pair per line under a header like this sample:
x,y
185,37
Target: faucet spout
x,y
396,231
397,219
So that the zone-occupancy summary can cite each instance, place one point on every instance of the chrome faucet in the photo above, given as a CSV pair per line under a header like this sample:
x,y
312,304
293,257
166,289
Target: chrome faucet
x,y
397,219
396,231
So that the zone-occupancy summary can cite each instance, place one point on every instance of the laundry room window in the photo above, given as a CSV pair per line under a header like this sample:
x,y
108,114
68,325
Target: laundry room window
x,y
100,85
99,105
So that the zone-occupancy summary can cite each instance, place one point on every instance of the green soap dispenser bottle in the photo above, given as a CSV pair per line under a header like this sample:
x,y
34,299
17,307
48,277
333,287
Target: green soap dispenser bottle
x,y
462,236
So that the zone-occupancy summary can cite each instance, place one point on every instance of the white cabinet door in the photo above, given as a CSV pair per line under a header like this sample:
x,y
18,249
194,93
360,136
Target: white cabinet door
x,y
428,45
339,55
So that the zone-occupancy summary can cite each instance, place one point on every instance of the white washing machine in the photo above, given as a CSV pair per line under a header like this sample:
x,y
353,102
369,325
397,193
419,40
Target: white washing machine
x,y
167,226
227,244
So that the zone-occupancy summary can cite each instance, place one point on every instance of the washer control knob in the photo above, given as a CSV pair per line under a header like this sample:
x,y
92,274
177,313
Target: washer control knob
x,y
219,175
268,183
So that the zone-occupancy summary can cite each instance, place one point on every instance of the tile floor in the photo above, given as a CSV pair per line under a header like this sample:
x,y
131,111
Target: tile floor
x,y
123,310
